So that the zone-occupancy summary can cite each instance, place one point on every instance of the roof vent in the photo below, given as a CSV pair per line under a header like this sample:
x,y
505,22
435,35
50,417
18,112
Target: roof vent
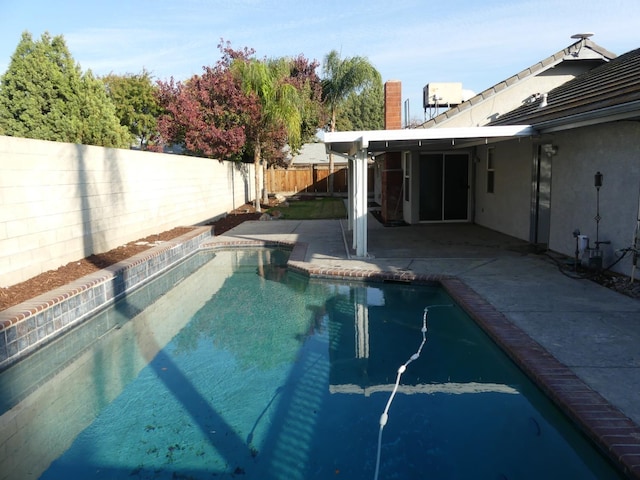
x,y
543,102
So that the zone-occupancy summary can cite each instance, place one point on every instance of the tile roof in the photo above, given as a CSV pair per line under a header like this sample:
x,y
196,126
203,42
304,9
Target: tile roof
x,y
573,50
607,89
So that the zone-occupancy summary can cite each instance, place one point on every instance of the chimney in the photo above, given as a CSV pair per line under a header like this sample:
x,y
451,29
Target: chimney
x,y
393,105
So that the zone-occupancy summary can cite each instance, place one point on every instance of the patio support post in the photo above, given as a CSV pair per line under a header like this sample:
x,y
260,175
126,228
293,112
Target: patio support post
x,y
351,204
360,199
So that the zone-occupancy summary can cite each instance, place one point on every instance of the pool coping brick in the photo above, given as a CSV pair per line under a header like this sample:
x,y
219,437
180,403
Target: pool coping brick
x,y
617,436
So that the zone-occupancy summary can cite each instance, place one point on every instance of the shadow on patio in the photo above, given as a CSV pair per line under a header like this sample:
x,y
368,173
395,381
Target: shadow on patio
x,y
449,240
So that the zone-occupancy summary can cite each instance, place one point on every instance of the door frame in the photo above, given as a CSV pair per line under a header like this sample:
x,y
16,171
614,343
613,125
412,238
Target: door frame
x,y
540,216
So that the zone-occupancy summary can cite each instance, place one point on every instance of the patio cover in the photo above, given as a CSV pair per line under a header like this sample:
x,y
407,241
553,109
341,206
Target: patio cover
x,y
358,145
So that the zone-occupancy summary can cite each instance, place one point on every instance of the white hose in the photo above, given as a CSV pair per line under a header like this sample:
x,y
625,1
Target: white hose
x,y
385,415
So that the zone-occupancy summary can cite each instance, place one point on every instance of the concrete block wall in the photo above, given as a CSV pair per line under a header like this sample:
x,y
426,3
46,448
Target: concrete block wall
x,y
60,202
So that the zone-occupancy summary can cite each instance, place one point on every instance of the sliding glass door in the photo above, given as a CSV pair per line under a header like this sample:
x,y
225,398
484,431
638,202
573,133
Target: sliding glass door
x,y
444,187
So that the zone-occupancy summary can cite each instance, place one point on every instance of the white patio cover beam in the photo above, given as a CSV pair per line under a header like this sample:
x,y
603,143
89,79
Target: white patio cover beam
x,y
346,143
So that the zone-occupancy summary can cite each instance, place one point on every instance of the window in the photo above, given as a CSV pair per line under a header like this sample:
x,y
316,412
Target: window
x,y
490,170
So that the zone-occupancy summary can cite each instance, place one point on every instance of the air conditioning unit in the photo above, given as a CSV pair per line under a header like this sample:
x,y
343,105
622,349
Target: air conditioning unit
x,y
441,94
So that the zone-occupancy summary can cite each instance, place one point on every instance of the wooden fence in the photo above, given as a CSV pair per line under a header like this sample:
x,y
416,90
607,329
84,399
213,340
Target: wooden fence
x,y
310,179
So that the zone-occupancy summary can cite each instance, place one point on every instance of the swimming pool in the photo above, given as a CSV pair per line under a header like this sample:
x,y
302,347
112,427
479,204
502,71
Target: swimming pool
x,y
230,366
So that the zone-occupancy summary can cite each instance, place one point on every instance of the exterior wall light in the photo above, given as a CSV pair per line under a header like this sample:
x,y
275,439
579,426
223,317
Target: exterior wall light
x,y
598,180
550,150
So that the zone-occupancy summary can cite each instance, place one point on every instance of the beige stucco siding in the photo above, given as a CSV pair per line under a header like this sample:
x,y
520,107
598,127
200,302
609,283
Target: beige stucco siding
x,y
506,210
614,150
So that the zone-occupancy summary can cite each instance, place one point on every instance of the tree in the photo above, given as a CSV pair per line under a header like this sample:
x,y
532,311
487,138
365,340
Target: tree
x,y
136,102
243,108
208,113
304,77
280,103
98,124
44,95
275,144
364,110
342,77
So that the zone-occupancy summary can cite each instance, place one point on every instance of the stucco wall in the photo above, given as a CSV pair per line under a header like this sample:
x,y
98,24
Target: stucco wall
x,y
614,150
60,202
506,210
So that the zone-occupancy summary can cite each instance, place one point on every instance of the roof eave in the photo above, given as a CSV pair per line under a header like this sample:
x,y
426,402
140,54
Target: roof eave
x,y
614,113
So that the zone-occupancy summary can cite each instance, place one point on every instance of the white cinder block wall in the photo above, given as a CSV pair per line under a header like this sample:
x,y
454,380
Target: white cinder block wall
x,y
60,202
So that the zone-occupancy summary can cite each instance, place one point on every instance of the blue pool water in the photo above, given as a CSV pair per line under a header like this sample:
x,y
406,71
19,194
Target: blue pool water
x,y
235,368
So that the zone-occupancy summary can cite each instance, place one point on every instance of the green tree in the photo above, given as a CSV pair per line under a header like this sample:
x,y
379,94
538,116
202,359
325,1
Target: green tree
x,y
135,97
280,109
96,114
44,95
364,110
342,77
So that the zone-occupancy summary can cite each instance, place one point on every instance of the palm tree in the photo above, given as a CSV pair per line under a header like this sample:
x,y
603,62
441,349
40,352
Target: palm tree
x,y
342,77
279,103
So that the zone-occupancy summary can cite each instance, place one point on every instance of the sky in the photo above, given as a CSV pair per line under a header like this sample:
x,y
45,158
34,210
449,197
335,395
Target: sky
x,y
476,42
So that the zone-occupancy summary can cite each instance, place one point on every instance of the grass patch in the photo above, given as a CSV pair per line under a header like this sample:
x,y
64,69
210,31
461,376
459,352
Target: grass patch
x,y
314,209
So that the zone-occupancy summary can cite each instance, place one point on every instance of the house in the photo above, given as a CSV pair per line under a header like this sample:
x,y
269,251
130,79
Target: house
x,y
313,154
525,86
584,168
521,158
